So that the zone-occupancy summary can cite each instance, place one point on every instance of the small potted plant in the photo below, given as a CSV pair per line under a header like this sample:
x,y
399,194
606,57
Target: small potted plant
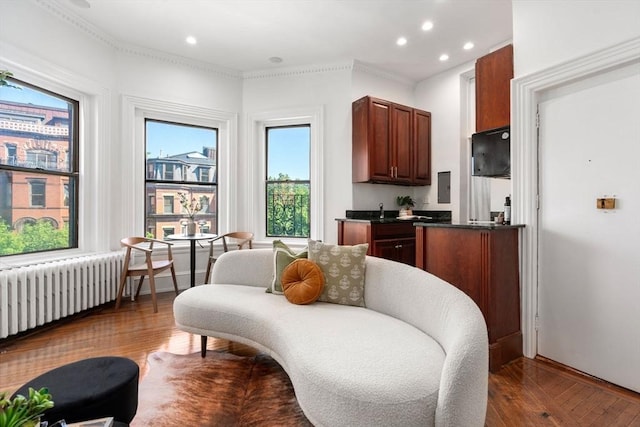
x,y
24,411
191,207
405,203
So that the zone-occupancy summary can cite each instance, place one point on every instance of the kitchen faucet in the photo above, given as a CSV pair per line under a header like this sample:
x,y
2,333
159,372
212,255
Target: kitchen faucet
x,y
381,210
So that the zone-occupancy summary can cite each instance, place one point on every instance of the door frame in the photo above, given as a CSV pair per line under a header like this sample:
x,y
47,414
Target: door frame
x,y
526,92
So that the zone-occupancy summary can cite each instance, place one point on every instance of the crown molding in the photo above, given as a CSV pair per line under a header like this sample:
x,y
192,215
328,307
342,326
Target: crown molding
x,y
168,58
55,8
297,71
366,68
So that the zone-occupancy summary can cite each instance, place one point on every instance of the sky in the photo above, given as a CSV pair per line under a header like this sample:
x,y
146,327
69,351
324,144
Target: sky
x,y
27,95
288,148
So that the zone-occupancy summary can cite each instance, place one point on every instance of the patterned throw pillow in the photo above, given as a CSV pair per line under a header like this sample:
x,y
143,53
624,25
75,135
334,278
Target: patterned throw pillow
x,y
343,268
282,257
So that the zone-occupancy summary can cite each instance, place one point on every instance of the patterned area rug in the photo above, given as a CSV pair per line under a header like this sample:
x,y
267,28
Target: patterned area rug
x,y
220,390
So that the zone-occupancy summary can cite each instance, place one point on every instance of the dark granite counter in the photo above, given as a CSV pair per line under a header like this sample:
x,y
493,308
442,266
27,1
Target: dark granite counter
x,y
442,217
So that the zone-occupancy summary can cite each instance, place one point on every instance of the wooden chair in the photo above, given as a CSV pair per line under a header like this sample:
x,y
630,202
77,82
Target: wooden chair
x,y
147,268
239,238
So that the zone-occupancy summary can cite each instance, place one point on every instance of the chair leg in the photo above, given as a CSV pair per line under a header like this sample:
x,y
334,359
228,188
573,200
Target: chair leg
x,y
175,282
208,273
152,285
139,286
123,279
203,345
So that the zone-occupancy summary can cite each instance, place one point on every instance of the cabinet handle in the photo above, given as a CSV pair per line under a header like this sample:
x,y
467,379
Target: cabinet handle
x,y
398,246
391,172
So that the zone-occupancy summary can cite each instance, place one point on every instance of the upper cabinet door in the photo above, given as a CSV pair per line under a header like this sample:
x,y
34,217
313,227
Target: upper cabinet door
x,y
422,147
494,73
402,143
380,146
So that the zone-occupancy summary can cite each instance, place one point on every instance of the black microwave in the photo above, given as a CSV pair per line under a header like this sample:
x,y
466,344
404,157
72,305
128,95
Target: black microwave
x,y
491,153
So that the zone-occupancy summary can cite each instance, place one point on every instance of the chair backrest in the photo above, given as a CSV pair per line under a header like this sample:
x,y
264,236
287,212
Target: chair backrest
x,y
240,238
132,243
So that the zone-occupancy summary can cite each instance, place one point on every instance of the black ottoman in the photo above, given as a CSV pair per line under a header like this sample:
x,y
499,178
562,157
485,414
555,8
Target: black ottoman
x,y
91,388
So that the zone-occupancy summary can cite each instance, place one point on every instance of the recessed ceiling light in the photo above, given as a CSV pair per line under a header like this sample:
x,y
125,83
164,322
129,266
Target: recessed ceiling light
x,y
444,57
428,25
401,41
191,40
81,3
468,45
275,59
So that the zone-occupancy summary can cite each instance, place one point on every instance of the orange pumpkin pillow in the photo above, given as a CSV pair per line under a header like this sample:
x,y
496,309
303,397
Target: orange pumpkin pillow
x,y
302,281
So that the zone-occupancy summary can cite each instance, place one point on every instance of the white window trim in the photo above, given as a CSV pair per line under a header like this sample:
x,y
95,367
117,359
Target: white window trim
x,y
94,138
134,112
256,197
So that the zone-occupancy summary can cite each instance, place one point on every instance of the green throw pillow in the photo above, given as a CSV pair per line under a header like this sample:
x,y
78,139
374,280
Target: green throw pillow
x,y
343,268
282,257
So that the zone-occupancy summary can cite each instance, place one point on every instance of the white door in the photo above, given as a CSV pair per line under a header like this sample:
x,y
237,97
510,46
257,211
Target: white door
x,y
589,259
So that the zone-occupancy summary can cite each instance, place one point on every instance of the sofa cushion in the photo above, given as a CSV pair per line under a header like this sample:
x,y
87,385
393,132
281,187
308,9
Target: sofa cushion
x,y
302,281
283,255
344,271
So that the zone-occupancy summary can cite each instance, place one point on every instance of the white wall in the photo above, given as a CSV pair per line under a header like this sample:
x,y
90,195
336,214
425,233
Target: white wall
x,y
444,95
325,87
547,33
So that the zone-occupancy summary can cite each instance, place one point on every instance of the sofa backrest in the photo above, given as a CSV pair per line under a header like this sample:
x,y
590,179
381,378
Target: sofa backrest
x,y
252,267
399,290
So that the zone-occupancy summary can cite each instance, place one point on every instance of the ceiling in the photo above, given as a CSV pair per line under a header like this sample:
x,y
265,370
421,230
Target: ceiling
x,y
242,35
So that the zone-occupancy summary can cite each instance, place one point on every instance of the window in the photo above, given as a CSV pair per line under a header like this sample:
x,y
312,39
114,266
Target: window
x,y
181,160
168,204
38,170
12,151
37,191
42,159
288,186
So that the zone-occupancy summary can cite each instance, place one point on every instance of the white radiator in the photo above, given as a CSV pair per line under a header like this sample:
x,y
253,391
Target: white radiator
x,y
33,295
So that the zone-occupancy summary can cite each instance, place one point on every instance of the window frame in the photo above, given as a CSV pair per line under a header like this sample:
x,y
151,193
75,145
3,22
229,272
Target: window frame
x,y
181,186
135,110
255,197
43,175
291,181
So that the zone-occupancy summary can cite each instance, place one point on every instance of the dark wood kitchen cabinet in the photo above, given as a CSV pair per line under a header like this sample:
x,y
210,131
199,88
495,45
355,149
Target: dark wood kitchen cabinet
x,y
494,73
483,263
391,143
391,240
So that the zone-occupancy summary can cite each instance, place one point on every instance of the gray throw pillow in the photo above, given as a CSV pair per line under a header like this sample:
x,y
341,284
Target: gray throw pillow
x,y
343,268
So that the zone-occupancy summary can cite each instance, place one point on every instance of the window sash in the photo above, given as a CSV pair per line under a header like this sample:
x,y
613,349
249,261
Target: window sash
x,y
41,151
187,173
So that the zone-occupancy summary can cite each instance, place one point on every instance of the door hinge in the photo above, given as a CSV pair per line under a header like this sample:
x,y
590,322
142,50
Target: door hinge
x,y
537,202
537,323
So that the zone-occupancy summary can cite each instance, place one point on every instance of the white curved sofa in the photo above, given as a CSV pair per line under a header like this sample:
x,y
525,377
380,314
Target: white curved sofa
x,y
417,355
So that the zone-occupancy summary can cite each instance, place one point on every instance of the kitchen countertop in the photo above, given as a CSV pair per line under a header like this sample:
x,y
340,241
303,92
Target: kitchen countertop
x,y
373,217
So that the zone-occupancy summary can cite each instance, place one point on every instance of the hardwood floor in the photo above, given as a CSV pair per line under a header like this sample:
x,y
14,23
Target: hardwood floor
x,y
524,393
